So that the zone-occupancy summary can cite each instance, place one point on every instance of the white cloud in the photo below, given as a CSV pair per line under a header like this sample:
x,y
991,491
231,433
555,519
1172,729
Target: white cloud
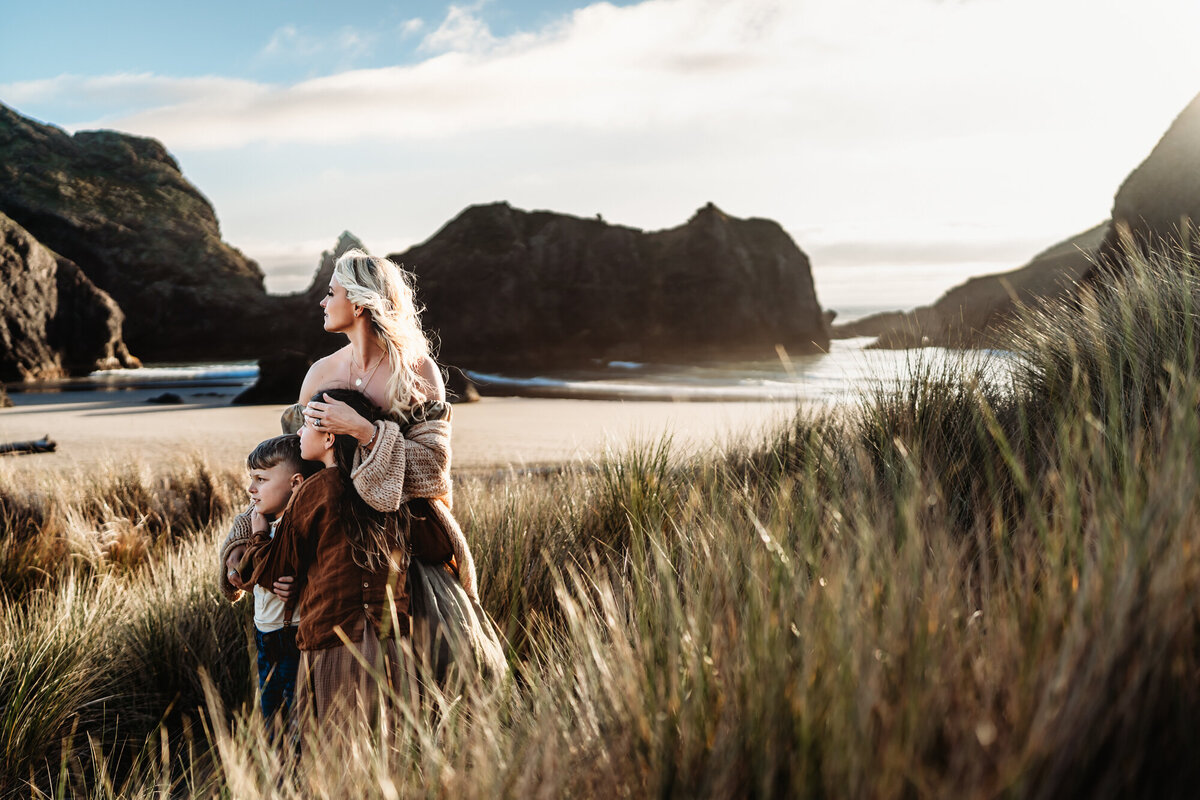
x,y
133,89
289,42
829,73
411,27
462,30
286,39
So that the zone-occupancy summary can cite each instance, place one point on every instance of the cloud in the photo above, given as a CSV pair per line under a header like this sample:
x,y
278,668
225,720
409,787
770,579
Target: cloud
x,y
411,27
821,71
462,30
136,90
850,120
288,42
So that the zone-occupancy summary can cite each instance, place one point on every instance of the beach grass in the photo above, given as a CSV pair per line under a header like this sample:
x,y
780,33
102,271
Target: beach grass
x,y
967,586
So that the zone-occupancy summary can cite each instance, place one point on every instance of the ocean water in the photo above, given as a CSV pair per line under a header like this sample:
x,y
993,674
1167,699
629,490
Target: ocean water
x,y
236,374
846,372
843,374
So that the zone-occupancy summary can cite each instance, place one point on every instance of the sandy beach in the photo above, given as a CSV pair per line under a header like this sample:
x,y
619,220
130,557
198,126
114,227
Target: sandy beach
x,y
94,428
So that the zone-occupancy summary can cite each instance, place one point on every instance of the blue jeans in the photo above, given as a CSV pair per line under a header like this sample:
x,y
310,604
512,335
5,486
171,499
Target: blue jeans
x,y
278,662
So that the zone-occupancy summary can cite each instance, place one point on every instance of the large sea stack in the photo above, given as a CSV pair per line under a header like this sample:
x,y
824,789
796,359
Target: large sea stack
x,y
504,287
119,207
54,322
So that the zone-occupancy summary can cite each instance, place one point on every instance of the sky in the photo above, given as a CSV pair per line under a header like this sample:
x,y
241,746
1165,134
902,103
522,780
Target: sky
x,y
904,144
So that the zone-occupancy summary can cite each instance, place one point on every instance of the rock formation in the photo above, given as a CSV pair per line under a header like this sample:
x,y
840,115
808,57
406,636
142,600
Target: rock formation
x,y
1155,206
279,378
509,288
501,287
119,207
1163,192
53,320
975,313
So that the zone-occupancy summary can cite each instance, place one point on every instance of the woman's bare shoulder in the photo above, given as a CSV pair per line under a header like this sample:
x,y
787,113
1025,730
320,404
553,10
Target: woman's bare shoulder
x,y
431,375
324,372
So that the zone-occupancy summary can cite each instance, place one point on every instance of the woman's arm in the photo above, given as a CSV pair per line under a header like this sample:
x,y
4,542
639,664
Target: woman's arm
x,y
239,534
338,418
404,462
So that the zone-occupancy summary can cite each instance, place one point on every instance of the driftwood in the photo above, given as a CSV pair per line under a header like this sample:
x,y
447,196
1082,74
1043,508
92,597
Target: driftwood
x,y
42,445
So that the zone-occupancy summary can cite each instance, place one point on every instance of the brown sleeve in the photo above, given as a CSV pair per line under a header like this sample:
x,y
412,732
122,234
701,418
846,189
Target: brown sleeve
x,y
429,539
293,547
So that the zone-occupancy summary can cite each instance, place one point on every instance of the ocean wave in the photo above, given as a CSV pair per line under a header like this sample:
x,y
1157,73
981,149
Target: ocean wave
x,y
189,373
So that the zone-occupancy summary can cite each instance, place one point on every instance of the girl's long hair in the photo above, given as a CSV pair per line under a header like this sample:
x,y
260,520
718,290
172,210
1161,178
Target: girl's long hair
x,y
386,291
375,538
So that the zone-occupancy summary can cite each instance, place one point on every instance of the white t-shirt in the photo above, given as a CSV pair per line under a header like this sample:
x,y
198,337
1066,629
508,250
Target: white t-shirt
x,y
268,608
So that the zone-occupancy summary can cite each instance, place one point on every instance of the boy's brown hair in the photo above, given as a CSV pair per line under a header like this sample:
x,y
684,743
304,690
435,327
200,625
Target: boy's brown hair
x,y
280,450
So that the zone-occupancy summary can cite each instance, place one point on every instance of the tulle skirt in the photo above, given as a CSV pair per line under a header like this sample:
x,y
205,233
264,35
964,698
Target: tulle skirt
x,y
453,638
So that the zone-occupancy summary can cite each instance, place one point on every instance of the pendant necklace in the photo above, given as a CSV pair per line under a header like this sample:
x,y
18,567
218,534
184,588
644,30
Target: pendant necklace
x,y
358,382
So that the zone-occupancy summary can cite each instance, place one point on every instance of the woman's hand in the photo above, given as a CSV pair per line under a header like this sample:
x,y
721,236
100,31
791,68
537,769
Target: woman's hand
x,y
283,587
258,523
336,417
231,565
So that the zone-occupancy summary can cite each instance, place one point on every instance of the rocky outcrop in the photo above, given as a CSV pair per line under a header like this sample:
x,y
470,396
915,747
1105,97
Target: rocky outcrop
x,y
294,335
53,320
119,207
310,335
504,287
976,313
1156,206
279,379
1163,192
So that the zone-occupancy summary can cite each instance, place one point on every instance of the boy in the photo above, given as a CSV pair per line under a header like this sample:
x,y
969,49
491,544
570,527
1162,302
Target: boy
x,y
276,471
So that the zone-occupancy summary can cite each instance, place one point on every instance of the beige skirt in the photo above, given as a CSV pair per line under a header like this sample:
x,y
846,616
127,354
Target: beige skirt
x,y
453,642
350,684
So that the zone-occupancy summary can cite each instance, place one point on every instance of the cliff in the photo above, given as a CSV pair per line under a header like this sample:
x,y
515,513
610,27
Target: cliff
x,y
119,208
1155,207
1163,192
502,287
53,320
976,313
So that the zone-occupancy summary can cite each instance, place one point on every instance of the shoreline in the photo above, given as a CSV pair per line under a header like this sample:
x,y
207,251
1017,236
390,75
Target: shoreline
x,y
94,429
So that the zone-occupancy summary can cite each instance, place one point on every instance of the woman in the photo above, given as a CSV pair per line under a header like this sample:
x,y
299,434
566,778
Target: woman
x,y
402,464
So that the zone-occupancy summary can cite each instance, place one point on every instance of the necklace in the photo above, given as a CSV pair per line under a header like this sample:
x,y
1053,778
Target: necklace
x,y
358,382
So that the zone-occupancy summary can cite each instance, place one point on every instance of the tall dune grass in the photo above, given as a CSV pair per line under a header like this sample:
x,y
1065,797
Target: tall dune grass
x,y
959,589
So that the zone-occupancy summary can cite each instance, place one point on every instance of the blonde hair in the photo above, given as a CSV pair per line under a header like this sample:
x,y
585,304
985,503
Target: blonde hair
x,y
385,290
